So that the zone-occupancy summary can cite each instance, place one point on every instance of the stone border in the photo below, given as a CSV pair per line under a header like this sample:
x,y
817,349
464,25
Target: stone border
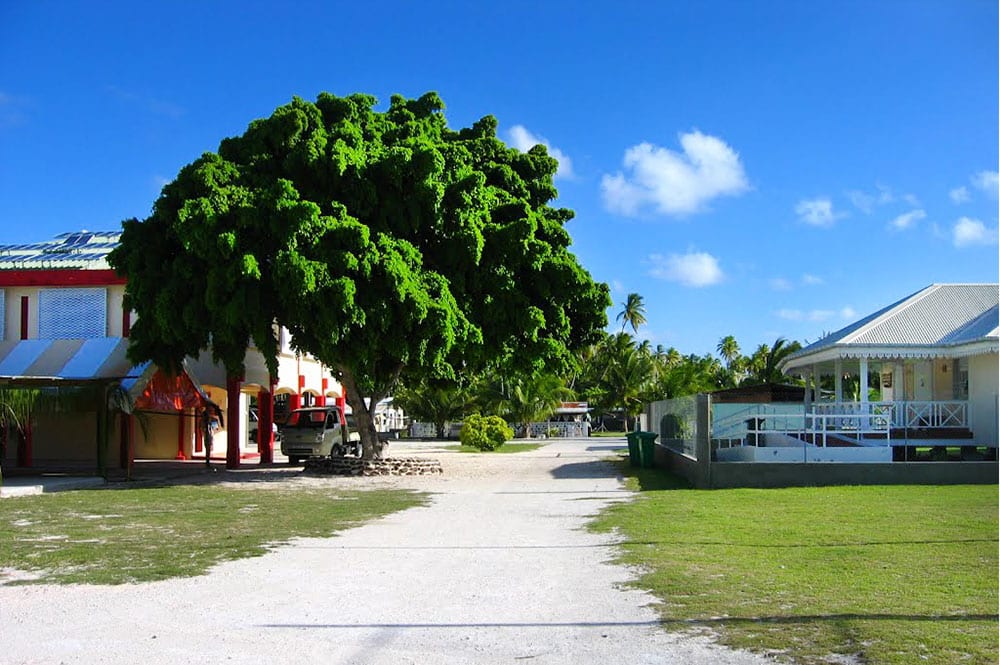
x,y
353,466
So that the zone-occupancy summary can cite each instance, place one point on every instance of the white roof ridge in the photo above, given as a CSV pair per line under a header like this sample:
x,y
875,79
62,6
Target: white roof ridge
x,y
906,303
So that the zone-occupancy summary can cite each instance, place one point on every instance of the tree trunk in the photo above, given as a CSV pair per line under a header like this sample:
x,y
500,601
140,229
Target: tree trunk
x,y
363,415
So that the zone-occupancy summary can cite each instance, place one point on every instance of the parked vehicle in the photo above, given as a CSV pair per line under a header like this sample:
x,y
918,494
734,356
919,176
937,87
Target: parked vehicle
x,y
252,430
319,431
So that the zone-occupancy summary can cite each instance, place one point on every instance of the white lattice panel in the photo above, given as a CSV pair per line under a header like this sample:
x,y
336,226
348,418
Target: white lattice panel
x,y
72,313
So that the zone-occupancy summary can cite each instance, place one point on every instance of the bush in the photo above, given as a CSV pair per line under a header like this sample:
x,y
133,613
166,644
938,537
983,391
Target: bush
x,y
484,432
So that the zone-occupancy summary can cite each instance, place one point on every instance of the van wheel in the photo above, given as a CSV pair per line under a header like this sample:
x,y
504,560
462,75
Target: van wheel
x,y
292,459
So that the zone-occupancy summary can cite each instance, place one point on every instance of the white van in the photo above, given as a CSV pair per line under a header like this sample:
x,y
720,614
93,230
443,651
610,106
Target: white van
x,y
318,431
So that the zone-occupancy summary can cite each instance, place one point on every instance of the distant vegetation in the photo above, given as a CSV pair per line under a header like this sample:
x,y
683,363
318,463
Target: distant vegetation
x,y
618,374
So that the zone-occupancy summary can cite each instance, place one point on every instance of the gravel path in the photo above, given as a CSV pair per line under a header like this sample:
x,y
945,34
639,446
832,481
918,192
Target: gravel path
x,y
496,569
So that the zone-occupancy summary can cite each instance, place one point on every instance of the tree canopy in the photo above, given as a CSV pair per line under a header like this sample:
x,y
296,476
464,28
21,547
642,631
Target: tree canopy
x,y
387,243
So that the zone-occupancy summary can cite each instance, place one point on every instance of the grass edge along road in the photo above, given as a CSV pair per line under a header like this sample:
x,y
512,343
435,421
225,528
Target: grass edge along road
x,y
118,536
876,574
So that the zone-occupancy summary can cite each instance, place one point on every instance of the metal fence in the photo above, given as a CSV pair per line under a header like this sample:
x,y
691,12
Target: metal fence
x,y
682,423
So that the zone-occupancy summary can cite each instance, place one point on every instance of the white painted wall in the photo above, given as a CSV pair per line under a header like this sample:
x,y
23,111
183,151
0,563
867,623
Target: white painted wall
x,y
808,453
984,377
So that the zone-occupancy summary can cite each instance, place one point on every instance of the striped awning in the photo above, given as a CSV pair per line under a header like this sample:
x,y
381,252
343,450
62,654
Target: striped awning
x,y
69,360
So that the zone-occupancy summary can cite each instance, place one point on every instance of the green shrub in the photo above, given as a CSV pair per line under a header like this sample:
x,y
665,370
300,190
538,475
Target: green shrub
x,y
484,432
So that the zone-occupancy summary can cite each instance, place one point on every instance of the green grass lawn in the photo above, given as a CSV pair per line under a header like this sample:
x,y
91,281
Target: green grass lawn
x,y
138,535
889,574
505,448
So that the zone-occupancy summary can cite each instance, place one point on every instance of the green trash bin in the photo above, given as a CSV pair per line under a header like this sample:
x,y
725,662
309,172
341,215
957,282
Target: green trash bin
x,y
647,448
633,448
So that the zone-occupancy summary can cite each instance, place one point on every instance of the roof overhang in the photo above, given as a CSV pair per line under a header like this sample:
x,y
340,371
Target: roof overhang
x,y
831,354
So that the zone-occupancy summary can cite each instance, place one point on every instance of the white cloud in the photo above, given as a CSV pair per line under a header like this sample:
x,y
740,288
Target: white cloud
x,y
817,212
675,183
986,181
862,201
691,269
812,280
524,141
617,287
814,315
789,314
968,232
780,284
883,195
907,220
959,195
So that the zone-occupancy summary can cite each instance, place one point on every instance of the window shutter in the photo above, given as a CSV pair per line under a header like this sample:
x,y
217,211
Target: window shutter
x,y
72,313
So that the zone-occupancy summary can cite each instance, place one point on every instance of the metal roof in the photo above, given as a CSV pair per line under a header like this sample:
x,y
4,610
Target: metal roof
x,y
941,319
78,249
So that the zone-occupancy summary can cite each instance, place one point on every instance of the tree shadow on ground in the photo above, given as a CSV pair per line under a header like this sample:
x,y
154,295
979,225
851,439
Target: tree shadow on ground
x,y
590,469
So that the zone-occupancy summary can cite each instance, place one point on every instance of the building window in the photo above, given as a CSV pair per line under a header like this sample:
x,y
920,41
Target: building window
x,y
72,313
281,407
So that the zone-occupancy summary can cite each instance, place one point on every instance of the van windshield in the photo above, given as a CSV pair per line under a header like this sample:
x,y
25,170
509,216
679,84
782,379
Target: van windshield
x,y
306,419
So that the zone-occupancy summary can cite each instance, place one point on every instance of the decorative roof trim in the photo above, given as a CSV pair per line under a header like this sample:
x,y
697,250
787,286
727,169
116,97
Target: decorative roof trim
x,y
877,352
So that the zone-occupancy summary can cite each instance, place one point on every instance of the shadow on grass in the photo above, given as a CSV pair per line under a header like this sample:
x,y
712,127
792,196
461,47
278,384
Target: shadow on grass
x,y
652,480
809,618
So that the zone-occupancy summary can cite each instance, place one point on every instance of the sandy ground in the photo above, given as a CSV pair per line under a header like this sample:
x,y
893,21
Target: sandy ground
x,y
498,568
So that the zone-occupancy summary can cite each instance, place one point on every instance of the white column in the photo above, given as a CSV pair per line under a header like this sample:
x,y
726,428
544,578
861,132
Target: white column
x,y
898,395
863,393
838,380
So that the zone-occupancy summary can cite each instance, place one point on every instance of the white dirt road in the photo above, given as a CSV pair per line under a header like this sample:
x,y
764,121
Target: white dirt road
x,y
497,568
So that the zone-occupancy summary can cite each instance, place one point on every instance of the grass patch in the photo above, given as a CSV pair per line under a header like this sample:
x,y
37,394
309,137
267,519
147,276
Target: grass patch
x,y
617,435
505,448
141,535
888,574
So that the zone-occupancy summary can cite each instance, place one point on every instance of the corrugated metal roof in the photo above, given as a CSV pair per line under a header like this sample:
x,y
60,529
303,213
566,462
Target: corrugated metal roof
x,y
937,317
938,314
79,249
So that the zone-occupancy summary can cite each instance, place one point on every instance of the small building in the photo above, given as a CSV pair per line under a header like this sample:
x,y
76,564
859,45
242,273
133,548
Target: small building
x,y
935,356
65,328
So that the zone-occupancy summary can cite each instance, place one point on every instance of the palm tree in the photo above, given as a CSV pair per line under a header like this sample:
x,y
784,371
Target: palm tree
x,y
729,349
633,314
763,364
436,403
533,399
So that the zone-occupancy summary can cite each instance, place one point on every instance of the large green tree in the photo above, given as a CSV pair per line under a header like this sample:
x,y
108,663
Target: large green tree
x,y
387,243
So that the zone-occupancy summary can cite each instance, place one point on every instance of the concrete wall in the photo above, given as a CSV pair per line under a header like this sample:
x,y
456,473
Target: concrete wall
x,y
721,475
799,454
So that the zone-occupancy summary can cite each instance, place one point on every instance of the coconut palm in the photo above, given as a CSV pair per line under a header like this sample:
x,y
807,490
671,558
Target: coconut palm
x,y
729,349
533,399
633,314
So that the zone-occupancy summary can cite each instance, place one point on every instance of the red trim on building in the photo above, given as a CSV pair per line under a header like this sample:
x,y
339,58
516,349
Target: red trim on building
x,y
24,317
180,437
60,277
233,422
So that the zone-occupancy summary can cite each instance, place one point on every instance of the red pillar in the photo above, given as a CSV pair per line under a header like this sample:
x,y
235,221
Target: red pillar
x,y
199,433
180,436
324,385
342,403
233,423
294,401
265,420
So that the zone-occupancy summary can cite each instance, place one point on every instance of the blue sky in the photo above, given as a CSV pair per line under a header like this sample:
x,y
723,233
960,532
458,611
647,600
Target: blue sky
x,y
760,169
